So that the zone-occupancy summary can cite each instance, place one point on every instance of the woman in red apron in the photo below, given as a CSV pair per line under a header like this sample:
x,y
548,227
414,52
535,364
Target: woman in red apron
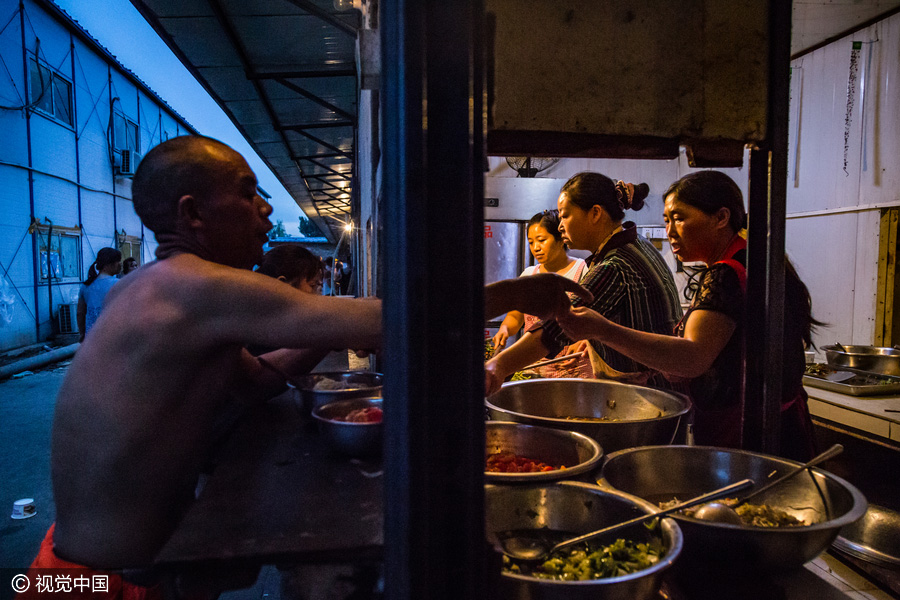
x,y
704,215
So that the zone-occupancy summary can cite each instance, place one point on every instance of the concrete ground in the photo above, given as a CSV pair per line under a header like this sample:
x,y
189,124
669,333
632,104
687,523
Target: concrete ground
x,y
26,416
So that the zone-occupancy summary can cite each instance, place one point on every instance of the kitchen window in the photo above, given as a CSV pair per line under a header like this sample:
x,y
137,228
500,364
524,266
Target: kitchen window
x,y
59,251
126,134
51,93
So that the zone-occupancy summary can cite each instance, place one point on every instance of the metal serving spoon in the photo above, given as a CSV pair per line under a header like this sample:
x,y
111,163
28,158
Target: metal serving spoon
x,y
533,548
722,513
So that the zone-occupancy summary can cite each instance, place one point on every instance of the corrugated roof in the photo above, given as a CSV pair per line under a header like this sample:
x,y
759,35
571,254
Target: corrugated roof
x,y
285,73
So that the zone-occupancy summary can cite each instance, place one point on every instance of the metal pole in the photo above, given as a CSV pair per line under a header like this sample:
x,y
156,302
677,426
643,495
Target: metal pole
x,y
433,312
35,253
763,339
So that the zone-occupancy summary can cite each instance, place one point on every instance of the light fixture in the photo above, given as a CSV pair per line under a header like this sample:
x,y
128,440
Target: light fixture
x,y
345,5
348,227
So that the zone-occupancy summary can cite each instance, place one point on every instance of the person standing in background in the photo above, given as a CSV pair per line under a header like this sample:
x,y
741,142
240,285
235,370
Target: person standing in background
x,y
128,265
101,277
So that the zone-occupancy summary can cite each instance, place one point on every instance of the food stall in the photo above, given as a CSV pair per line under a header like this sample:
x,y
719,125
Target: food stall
x,y
439,110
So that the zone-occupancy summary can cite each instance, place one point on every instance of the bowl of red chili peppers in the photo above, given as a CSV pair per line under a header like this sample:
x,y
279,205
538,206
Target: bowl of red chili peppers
x,y
352,427
515,452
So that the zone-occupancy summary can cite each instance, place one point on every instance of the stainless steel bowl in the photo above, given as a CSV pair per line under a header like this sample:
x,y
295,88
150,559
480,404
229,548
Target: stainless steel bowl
x,y
317,389
875,538
580,454
352,439
574,507
885,361
637,416
659,473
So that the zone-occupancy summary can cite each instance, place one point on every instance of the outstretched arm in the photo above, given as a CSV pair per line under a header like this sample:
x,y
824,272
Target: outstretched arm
x,y
542,295
242,307
705,335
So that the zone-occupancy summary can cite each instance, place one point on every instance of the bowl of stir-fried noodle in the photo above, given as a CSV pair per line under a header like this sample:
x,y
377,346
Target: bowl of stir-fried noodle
x,y
781,529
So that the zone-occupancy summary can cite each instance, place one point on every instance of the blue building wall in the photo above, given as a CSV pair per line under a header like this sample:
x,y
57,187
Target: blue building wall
x,y
57,172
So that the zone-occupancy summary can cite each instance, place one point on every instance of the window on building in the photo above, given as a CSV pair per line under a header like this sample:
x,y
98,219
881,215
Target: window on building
x,y
51,93
127,135
130,246
60,254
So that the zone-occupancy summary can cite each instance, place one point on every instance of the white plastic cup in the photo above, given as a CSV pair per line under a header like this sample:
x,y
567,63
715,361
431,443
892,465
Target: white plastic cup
x,y
23,509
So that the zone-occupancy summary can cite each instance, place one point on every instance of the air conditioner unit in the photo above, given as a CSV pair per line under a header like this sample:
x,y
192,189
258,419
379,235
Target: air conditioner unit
x,y
127,162
68,323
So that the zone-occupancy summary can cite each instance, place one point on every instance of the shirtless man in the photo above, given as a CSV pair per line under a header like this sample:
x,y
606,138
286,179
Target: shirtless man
x,y
134,417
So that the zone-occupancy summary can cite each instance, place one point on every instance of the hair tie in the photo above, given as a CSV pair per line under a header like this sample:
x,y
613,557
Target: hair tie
x,y
625,194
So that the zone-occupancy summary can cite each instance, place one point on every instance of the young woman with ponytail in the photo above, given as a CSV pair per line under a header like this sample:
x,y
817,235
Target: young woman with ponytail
x,y
101,277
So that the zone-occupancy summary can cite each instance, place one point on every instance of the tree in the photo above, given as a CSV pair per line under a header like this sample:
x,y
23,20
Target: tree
x,y
308,228
278,231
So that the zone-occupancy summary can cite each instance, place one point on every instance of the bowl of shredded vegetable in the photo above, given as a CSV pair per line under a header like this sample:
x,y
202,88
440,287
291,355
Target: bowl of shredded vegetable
x,y
629,563
515,452
781,529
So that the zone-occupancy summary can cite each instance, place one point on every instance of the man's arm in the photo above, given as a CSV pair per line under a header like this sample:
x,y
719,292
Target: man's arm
x,y
542,295
231,306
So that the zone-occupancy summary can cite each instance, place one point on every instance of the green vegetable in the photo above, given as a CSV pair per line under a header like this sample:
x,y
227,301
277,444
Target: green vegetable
x,y
589,561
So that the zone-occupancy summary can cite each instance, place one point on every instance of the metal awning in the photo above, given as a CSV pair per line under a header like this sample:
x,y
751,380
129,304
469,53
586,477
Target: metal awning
x,y
285,73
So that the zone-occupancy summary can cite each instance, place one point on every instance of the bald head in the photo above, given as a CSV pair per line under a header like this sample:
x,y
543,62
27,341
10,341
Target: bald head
x,y
185,165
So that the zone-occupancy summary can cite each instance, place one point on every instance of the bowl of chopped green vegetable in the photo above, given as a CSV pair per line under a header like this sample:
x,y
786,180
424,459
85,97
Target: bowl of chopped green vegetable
x,y
628,564
782,528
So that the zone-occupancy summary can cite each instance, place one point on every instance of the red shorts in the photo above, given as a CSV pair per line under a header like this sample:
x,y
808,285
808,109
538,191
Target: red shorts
x,y
51,577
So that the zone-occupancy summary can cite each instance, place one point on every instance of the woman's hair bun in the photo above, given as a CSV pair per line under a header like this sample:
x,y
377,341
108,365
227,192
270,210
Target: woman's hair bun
x,y
641,191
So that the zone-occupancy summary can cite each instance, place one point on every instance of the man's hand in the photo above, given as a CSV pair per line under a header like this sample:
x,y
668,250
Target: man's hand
x,y
542,295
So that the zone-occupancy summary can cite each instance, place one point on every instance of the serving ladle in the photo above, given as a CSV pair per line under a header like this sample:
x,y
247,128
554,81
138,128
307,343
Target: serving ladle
x,y
525,548
722,513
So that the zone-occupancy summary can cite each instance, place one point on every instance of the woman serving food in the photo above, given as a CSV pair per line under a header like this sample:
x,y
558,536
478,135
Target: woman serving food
x,y
704,214
626,275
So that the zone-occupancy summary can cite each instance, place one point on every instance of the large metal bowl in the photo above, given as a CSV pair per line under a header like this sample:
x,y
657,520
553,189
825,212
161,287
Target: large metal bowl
x,y
317,389
578,453
885,361
351,439
661,473
875,538
634,415
574,507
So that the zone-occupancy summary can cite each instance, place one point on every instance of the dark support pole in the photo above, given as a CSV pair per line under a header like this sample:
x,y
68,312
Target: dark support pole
x,y
765,249
433,312
35,249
